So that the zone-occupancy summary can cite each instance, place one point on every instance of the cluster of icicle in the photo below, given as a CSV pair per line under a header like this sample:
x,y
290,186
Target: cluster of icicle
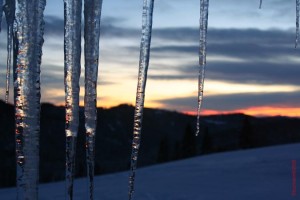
x,y
72,52
25,29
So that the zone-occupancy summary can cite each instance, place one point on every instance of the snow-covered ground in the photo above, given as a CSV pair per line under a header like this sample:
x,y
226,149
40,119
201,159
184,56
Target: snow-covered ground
x,y
260,174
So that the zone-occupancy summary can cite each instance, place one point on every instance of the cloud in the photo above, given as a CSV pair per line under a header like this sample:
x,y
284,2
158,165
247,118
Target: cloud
x,y
110,27
246,72
260,72
54,26
172,77
236,101
263,56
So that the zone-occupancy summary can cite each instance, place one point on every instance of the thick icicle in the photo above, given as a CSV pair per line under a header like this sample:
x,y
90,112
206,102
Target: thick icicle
x,y
72,52
260,3
92,15
140,95
1,13
9,9
297,22
204,4
29,29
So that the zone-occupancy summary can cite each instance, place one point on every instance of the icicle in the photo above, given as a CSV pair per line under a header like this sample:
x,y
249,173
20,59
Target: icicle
x,y
260,3
297,22
1,13
28,31
72,51
92,15
9,9
140,95
202,55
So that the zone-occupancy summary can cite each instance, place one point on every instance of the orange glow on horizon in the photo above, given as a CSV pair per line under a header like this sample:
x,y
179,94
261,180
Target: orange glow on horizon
x,y
255,111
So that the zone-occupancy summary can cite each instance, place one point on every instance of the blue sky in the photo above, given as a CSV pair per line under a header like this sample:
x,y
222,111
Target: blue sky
x,y
252,65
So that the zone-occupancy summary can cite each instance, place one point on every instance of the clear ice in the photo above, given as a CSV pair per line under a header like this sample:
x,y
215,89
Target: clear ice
x,y
140,94
260,3
204,4
72,52
1,13
9,10
92,16
297,22
28,33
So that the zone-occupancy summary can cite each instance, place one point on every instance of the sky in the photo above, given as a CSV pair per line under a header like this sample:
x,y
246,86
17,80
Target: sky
x,y
252,65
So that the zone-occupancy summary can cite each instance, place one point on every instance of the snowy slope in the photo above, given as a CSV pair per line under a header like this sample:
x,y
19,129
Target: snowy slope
x,y
261,174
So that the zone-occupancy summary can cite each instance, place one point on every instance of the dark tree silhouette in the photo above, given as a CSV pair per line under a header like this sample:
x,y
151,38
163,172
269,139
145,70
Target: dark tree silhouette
x,y
189,145
177,151
206,142
246,136
163,153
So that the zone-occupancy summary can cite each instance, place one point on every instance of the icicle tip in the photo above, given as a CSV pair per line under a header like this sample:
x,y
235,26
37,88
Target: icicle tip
x,y
260,4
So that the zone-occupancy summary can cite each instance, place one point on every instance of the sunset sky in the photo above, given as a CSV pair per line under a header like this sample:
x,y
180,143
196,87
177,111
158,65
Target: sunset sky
x,y
252,66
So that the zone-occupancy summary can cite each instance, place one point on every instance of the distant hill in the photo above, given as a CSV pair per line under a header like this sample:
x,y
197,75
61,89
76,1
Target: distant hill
x,y
166,136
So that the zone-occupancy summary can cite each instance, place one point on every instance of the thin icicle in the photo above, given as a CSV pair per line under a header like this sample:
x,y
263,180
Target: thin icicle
x,y
140,95
9,9
1,13
92,15
29,29
204,4
260,4
297,22
72,52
